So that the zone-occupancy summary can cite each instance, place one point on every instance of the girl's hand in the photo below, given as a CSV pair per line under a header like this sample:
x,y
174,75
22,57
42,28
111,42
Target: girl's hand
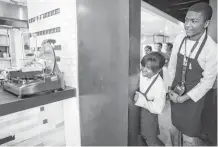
x,y
136,97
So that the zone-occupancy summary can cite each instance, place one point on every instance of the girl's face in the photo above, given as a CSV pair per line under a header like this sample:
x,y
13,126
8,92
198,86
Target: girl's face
x,y
147,71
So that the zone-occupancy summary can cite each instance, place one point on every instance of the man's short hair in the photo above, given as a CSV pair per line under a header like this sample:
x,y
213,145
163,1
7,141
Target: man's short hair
x,y
159,44
204,8
156,59
170,46
149,47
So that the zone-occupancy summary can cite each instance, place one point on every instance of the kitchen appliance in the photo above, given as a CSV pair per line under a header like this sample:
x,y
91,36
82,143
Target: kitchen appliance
x,y
30,80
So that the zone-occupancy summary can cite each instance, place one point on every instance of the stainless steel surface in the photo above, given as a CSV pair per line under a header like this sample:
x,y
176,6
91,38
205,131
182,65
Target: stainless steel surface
x,y
27,81
13,23
12,11
34,86
11,104
103,53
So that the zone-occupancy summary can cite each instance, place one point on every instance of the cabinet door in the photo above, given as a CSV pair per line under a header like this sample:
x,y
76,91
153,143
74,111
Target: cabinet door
x,y
4,40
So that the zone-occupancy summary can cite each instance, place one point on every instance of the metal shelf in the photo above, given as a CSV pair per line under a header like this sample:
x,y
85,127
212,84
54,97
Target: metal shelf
x,y
8,58
4,35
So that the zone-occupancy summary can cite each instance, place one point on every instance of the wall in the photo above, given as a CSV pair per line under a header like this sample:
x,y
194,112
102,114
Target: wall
x,y
66,37
213,25
38,126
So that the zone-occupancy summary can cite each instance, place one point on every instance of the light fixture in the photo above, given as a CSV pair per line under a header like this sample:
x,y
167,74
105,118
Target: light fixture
x,y
18,2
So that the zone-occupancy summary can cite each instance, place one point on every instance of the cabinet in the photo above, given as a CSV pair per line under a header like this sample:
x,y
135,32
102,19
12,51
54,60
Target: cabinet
x,y
5,56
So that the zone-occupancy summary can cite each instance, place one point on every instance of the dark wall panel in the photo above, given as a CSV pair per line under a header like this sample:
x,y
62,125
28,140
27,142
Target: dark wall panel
x,y
103,38
213,24
134,65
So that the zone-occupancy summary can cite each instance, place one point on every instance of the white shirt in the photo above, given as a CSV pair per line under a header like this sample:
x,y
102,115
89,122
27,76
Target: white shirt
x,y
207,60
157,93
166,77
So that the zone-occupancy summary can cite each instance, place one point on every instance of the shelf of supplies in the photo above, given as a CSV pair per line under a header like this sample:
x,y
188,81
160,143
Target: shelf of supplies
x,y
4,35
8,58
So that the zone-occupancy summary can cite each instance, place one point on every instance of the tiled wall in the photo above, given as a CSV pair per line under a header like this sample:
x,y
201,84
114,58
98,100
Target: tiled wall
x,y
44,15
47,14
35,127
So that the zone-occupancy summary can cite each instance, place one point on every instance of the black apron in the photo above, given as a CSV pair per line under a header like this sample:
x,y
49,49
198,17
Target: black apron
x,y
209,116
149,122
186,117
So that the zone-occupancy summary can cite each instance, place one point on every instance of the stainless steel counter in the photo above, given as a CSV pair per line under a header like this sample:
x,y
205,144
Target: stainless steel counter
x,y
10,103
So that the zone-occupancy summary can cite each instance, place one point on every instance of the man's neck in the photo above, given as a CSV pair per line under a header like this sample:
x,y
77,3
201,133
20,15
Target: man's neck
x,y
196,37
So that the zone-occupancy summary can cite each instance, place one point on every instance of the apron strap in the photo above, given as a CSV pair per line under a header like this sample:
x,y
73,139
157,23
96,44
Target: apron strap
x,y
181,44
201,47
161,73
148,89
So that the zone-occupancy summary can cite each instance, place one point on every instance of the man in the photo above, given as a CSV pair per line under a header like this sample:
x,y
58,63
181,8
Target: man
x,y
193,68
169,49
158,47
148,49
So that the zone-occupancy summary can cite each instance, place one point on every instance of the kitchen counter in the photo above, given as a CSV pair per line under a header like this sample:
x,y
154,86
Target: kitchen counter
x,y
10,103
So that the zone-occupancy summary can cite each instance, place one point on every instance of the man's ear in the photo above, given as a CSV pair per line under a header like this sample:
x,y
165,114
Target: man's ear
x,y
206,24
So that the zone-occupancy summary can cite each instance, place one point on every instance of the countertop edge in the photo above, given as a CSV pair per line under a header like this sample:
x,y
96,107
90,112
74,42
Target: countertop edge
x,y
35,101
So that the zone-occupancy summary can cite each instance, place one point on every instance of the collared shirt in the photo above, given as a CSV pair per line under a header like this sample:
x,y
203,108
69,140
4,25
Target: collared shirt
x,y
166,77
156,97
207,60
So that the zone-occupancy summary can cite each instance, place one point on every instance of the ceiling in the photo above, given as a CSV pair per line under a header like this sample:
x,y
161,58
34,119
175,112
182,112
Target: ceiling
x,y
175,8
149,27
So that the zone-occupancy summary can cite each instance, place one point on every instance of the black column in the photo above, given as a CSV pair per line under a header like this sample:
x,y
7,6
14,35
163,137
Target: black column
x,y
108,55
134,65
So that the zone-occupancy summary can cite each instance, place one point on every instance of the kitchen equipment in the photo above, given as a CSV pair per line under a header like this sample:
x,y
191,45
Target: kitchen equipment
x,y
24,82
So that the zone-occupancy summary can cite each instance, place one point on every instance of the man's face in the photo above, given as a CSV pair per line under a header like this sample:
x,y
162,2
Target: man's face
x,y
194,23
147,51
168,50
158,47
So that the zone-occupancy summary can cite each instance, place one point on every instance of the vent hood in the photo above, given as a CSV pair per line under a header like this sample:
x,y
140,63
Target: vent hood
x,y
13,15
12,11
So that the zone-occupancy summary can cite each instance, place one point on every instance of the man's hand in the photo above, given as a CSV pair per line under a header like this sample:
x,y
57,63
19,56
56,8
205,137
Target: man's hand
x,y
173,96
183,98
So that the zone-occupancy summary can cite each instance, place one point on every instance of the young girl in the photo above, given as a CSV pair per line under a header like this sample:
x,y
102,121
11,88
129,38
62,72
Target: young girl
x,y
151,97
